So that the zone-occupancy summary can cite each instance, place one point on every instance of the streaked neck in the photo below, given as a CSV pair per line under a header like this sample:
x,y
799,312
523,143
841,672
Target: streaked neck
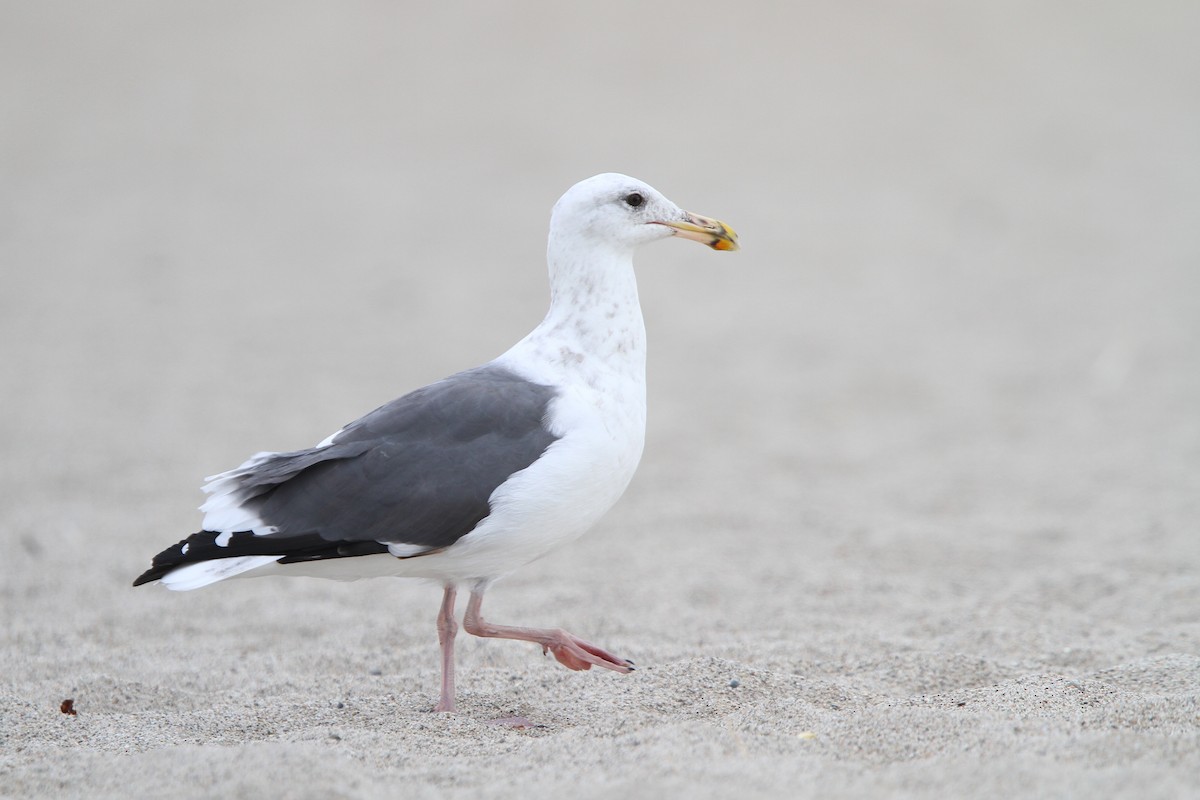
x,y
595,319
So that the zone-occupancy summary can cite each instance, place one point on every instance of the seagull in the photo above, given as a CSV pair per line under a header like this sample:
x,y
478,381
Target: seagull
x,y
467,479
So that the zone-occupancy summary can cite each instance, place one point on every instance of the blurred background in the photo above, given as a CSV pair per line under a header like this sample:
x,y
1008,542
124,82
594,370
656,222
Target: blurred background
x,y
962,337
934,429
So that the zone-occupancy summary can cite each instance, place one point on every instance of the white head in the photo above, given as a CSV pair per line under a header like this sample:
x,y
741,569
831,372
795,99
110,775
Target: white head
x,y
622,212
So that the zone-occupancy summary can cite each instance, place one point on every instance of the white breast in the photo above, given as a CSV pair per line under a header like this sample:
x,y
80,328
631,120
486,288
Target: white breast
x,y
599,416
591,348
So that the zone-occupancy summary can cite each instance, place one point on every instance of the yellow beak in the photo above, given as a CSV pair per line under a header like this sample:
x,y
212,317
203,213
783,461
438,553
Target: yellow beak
x,y
712,232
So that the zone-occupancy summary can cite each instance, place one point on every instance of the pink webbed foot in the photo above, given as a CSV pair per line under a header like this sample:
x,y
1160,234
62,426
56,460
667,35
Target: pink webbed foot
x,y
574,653
568,649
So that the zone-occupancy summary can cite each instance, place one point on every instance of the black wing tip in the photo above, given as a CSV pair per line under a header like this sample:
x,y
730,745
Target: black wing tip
x,y
175,556
202,546
150,575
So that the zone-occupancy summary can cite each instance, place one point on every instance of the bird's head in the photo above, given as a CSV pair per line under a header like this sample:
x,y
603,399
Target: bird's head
x,y
623,212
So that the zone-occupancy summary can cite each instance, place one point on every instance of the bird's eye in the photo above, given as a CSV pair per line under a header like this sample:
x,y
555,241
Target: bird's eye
x,y
634,200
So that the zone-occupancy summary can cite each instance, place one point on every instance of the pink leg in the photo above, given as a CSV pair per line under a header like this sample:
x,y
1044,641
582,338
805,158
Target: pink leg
x,y
571,651
447,628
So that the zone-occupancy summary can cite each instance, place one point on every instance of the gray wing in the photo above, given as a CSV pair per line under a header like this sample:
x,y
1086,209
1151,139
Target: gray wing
x,y
417,471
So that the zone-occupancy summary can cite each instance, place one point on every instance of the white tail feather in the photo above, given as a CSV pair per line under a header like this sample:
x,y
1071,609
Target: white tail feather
x,y
193,576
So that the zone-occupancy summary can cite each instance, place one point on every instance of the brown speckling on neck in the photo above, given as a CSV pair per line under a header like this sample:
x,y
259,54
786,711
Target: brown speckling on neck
x,y
569,356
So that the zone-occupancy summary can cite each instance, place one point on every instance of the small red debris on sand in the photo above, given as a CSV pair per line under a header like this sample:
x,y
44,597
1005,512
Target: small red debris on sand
x,y
68,707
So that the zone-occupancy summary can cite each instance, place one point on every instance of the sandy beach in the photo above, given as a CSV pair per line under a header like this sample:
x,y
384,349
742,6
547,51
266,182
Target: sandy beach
x,y
919,511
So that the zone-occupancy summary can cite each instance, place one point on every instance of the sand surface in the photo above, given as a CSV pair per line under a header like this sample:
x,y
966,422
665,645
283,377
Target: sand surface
x,y
919,514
